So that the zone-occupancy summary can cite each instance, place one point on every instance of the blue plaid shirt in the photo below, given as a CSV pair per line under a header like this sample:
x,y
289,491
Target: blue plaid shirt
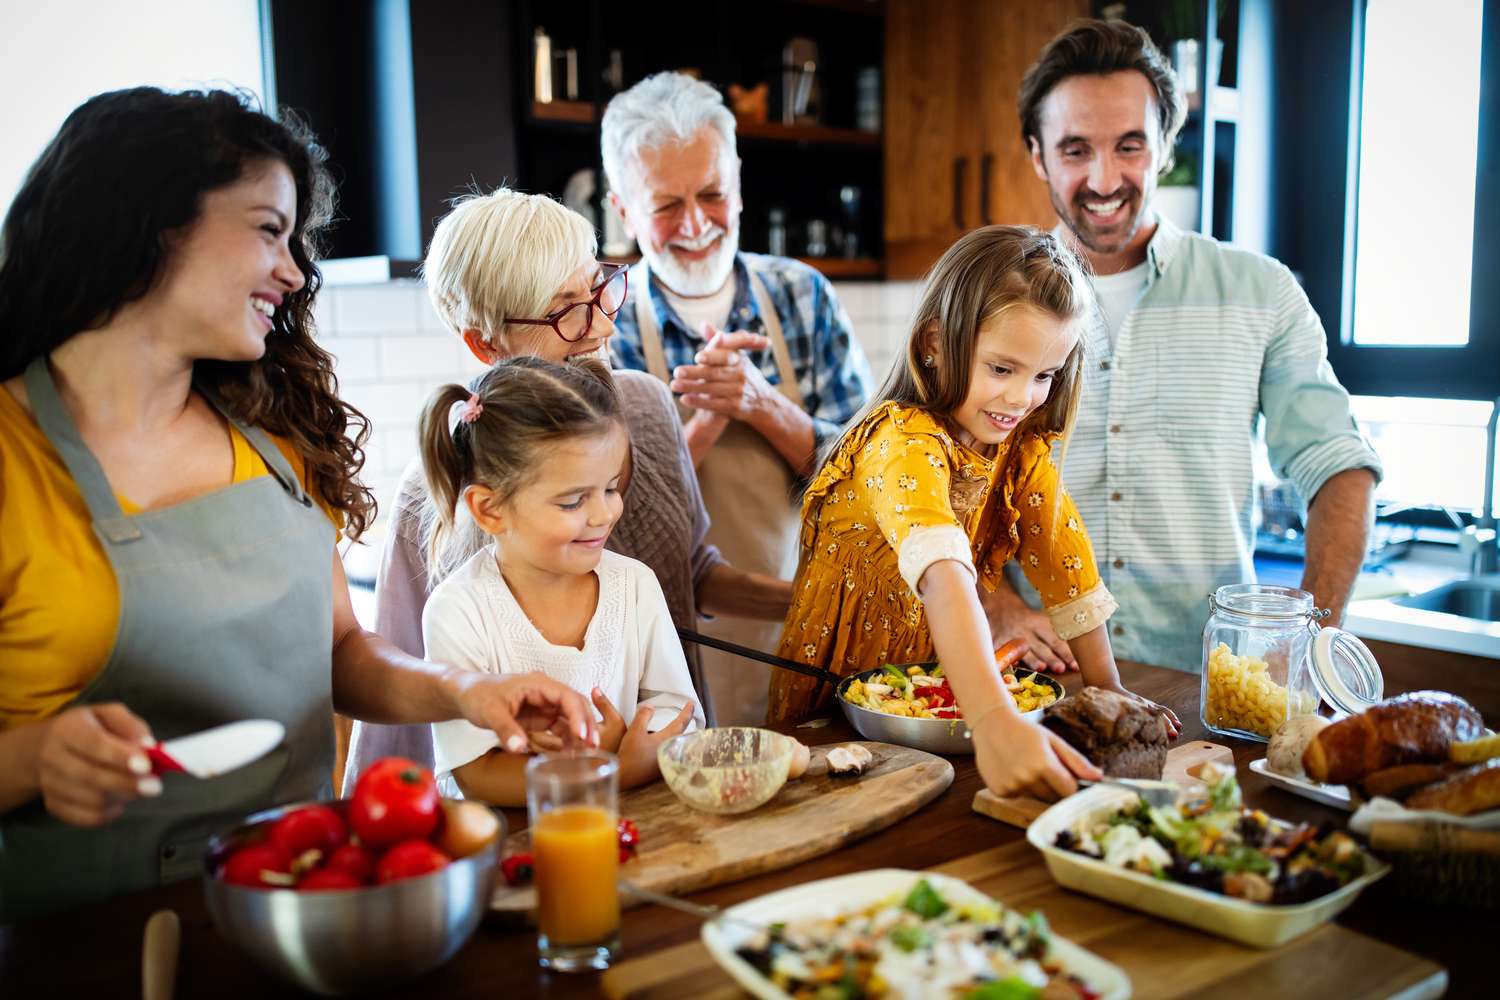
x,y
831,368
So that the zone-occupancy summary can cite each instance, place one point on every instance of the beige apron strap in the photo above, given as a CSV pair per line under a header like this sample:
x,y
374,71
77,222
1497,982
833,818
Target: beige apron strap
x,y
645,321
789,387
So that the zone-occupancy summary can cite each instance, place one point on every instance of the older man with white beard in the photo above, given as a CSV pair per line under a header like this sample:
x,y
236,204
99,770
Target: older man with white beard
x,y
757,348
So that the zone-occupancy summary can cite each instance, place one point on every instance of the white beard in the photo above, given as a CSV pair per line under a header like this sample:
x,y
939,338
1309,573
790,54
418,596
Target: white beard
x,y
702,277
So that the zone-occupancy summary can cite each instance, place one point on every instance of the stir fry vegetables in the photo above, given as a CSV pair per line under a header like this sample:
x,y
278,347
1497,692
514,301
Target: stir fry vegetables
x,y
1217,844
913,947
918,693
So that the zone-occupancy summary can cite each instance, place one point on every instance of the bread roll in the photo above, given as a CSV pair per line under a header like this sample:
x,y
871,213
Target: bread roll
x,y
1395,781
1411,729
1472,790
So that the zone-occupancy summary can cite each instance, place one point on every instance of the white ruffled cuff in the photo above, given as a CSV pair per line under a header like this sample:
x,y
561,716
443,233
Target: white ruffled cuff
x,y
928,544
1083,613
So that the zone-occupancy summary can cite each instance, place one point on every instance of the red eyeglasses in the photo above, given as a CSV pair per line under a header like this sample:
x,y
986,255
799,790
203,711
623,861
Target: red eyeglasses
x,y
574,321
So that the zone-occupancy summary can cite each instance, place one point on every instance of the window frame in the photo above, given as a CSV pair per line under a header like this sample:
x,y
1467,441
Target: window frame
x,y
1471,371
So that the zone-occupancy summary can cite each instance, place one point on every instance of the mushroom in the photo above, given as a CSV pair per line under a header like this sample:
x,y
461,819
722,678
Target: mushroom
x,y
849,759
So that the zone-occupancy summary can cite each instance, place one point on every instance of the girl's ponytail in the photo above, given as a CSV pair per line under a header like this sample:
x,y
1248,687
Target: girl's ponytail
x,y
445,463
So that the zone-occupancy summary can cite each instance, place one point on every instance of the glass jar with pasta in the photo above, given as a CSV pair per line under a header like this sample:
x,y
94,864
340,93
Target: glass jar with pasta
x,y
1256,673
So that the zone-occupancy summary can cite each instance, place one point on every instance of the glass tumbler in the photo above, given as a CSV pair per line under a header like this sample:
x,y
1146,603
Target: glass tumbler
x,y
572,802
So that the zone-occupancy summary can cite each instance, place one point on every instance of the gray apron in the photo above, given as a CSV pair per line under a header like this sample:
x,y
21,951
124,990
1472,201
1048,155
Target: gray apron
x,y
754,515
225,613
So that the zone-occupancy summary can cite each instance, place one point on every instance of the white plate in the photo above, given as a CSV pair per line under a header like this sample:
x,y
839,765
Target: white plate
x,y
830,896
1330,795
1260,925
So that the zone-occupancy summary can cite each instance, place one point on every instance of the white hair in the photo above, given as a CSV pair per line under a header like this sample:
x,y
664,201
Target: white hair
x,y
502,255
663,108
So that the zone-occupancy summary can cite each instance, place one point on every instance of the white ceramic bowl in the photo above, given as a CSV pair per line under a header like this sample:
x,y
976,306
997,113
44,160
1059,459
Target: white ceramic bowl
x,y
1260,925
831,896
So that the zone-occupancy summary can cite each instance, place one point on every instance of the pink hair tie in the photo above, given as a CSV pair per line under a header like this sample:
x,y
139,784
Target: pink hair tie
x,y
472,409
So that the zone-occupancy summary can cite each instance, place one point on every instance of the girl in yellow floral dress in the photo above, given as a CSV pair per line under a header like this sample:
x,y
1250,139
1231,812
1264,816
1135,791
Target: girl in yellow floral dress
x,y
951,473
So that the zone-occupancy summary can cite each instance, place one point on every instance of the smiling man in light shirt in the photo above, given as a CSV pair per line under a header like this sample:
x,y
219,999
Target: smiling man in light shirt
x,y
1198,345
757,348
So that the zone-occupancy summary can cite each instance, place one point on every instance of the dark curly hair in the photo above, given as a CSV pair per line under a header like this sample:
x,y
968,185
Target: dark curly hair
x,y
89,233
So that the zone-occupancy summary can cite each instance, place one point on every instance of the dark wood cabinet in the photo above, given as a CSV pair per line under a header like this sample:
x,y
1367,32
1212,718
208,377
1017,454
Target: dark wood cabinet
x,y
954,159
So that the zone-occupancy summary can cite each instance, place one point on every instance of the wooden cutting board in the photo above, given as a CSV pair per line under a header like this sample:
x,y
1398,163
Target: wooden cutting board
x,y
1183,764
683,849
1163,960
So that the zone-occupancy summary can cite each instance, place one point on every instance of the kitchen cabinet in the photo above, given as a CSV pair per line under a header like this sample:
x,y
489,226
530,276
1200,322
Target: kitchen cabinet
x,y
954,159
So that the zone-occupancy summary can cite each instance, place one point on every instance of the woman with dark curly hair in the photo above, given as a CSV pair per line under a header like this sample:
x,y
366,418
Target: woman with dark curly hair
x,y
175,464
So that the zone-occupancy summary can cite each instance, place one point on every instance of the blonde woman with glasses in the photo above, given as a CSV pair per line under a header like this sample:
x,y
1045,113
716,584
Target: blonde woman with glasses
x,y
515,275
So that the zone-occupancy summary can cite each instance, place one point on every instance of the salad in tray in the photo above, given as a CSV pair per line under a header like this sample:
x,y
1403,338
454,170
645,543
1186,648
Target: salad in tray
x,y
916,945
920,691
1215,843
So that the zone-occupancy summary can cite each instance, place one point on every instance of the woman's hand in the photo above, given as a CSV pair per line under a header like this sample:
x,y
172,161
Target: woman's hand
x,y
637,748
514,704
1018,757
90,764
1174,725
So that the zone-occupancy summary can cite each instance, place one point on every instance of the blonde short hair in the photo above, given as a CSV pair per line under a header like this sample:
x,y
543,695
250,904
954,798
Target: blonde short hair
x,y
502,255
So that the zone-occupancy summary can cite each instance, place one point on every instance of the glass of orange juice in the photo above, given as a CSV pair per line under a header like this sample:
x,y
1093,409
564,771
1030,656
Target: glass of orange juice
x,y
572,801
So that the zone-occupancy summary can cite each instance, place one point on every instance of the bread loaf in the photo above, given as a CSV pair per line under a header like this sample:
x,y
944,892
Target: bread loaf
x,y
1124,738
1472,790
1414,728
1394,781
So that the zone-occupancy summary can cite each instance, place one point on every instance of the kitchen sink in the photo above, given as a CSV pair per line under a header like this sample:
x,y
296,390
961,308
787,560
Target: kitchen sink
x,y
1477,597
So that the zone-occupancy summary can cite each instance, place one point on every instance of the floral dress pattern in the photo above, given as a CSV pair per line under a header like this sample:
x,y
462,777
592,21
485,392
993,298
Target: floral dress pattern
x,y
900,494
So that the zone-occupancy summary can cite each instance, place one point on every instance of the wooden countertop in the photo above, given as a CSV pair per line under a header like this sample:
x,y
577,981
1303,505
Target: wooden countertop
x,y
95,951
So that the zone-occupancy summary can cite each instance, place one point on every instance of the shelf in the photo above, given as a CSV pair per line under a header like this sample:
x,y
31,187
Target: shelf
x,y
836,268
813,134
572,112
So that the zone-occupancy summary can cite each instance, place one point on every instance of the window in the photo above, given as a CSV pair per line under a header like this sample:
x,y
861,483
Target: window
x,y
1416,320
56,55
1419,135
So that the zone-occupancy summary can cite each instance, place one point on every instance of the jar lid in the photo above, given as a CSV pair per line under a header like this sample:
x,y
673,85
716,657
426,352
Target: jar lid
x,y
1345,671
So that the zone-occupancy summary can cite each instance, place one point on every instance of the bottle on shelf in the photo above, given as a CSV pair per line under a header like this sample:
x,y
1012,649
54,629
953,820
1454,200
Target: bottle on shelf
x,y
541,48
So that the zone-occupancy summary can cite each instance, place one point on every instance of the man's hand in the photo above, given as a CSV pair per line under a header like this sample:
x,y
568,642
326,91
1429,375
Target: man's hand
x,y
723,381
1012,618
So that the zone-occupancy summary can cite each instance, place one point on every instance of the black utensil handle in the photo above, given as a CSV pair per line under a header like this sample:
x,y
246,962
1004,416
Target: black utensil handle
x,y
828,676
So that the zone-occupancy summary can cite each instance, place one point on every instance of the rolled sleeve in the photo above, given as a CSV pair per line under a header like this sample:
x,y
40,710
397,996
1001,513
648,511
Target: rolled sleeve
x,y
1084,613
926,545
1311,433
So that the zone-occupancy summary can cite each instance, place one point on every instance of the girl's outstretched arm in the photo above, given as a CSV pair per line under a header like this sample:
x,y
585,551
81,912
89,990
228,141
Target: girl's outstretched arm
x,y
1096,660
1013,755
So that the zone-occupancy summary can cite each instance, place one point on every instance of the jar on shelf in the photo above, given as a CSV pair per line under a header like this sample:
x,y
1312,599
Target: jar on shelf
x,y
1265,660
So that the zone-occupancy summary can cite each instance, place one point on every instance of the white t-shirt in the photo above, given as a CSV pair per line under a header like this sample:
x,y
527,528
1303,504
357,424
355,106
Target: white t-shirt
x,y
712,309
630,650
1117,296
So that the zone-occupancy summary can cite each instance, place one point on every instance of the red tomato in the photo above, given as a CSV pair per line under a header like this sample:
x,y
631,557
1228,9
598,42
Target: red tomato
x,y
352,860
311,828
259,866
409,859
517,868
395,799
328,878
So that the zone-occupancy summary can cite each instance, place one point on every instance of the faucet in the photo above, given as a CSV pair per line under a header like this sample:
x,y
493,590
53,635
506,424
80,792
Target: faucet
x,y
1485,549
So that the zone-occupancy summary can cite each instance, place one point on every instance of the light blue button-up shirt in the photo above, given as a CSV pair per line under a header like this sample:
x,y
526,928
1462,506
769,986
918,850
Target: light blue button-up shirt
x,y
1161,462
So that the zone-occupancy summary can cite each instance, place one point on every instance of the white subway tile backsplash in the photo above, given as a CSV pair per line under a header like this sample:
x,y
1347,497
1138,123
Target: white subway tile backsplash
x,y
389,403
428,356
381,309
356,359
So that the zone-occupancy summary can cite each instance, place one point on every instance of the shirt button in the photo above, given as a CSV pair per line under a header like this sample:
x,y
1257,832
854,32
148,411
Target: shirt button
x,y
1119,564
1119,630
1104,364
1116,496
1114,428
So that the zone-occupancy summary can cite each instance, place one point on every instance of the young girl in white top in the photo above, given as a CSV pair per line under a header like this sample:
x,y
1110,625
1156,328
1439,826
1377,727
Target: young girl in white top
x,y
534,456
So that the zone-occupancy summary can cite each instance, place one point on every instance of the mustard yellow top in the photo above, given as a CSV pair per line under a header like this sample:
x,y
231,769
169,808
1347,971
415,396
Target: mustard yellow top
x,y
59,603
900,494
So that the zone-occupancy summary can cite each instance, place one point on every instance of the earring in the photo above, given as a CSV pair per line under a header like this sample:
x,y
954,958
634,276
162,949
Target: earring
x,y
929,361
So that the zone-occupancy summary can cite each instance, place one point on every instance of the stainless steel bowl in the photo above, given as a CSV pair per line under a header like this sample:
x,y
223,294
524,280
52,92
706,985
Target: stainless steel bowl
x,y
940,736
349,941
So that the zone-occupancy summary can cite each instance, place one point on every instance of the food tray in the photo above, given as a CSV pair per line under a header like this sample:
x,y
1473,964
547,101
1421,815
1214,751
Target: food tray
x,y
1260,925
830,896
1330,795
